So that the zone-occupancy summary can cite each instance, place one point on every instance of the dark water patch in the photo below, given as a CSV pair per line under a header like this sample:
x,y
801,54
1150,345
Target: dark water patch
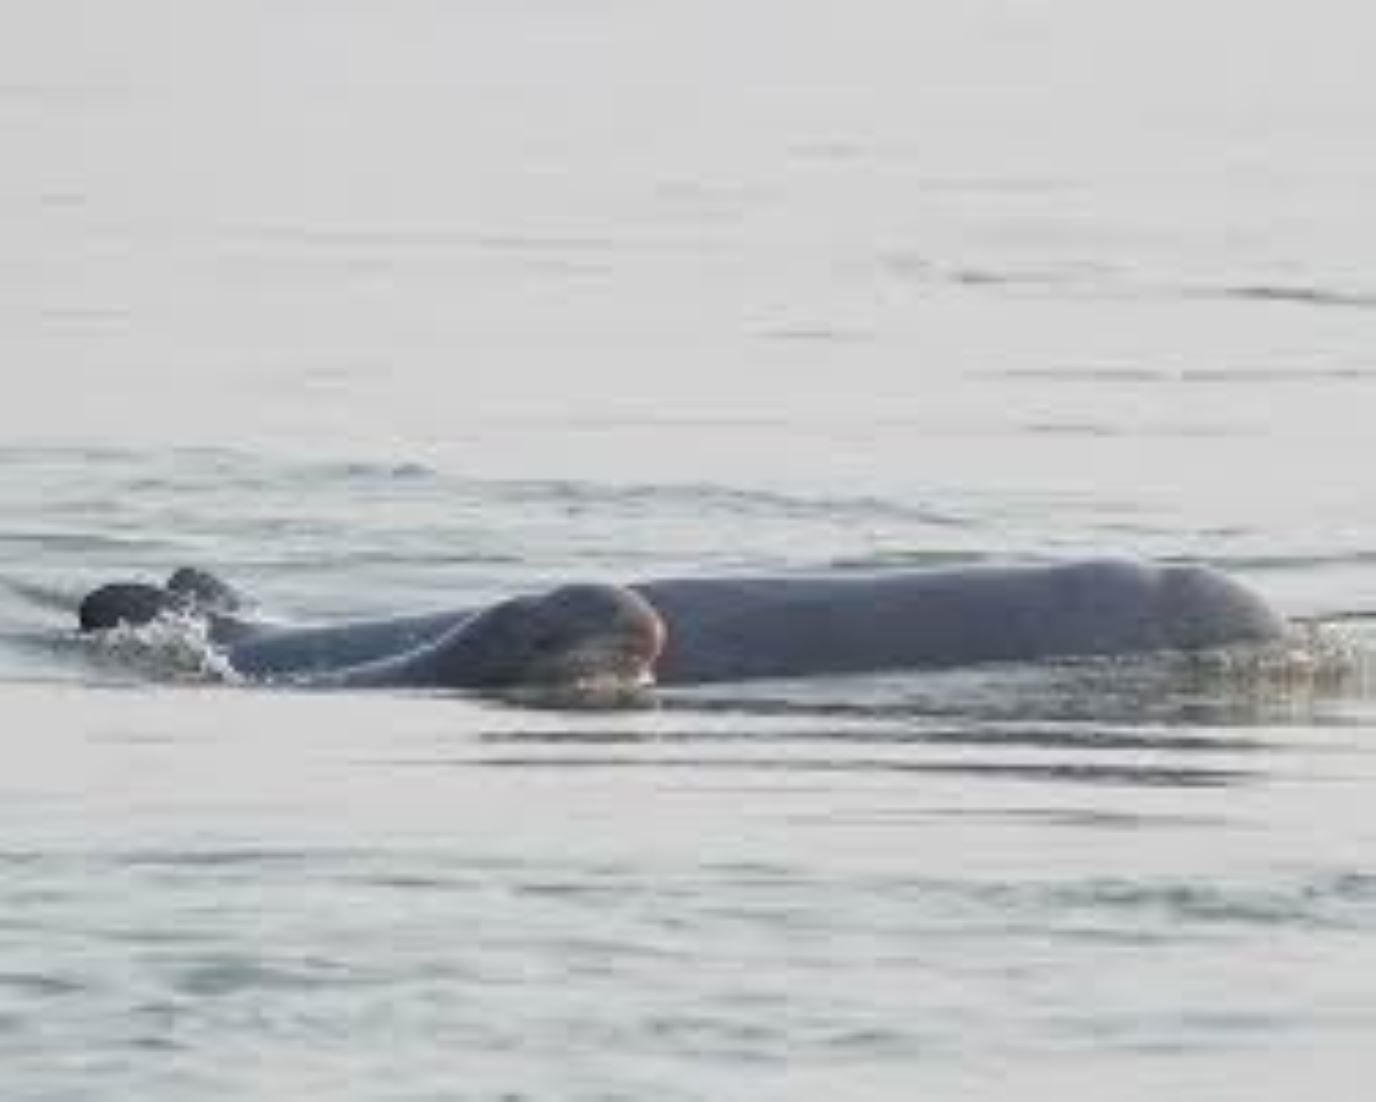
x,y
572,496
1136,532
271,482
872,1043
408,882
19,861
73,455
387,474
1095,738
166,477
1098,819
179,928
131,479
1179,1034
1083,280
447,556
1284,562
1359,887
990,277
1106,716
200,879
34,985
225,974
218,471
1259,376
1104,282
878,733
600,737
1098,375
1310,903
86,543
1300,295
1138,910
739,1039
1092,773
228,859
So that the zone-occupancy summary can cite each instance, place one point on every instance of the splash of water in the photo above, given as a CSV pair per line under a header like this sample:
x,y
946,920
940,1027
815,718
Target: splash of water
x,y
173,647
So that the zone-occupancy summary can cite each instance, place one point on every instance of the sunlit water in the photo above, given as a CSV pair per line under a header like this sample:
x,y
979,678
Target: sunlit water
x,y
389,306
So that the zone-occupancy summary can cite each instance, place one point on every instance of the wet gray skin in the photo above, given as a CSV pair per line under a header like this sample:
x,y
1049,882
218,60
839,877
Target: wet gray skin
x,y
724,629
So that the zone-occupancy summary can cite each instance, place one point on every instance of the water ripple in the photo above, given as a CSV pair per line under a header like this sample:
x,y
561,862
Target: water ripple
x,y
1301,295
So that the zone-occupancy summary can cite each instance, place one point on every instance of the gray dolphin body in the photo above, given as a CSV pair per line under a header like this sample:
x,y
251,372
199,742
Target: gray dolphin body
x,y
731,629
567,636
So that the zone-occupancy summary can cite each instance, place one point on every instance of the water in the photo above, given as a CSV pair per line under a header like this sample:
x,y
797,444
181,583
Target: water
x,y
389,306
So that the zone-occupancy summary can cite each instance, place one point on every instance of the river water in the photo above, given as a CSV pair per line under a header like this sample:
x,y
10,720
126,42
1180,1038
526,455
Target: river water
x,y
388,306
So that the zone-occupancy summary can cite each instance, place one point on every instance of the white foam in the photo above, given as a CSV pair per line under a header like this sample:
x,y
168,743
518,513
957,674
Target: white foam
x,y
174,646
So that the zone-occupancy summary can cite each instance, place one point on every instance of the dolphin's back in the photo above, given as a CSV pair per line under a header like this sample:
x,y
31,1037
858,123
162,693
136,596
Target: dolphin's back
x,y
729,629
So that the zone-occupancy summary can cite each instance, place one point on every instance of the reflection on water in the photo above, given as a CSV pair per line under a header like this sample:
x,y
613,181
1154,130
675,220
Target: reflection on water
x,y
1067,772
752,970
400,886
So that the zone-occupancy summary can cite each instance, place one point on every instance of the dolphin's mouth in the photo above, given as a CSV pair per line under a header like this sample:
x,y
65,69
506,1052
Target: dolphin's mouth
x,y
597,675
610,671
621,653
605,660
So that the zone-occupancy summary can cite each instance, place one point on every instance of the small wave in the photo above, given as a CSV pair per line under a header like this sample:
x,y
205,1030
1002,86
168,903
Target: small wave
x,y
1143,909
1086,699
1307,651
1093,773
1081,279
1289,374
382,472
46,597
137,476
1099,281
1301,295
202,469
593,694
721,499
220,975
78,542
1086,374
447,556
797,724
35,985
219,859
1326,900
1283,562
1150,376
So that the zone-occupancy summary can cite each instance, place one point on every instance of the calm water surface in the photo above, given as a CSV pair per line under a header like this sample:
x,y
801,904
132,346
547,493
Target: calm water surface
x,y
391,306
